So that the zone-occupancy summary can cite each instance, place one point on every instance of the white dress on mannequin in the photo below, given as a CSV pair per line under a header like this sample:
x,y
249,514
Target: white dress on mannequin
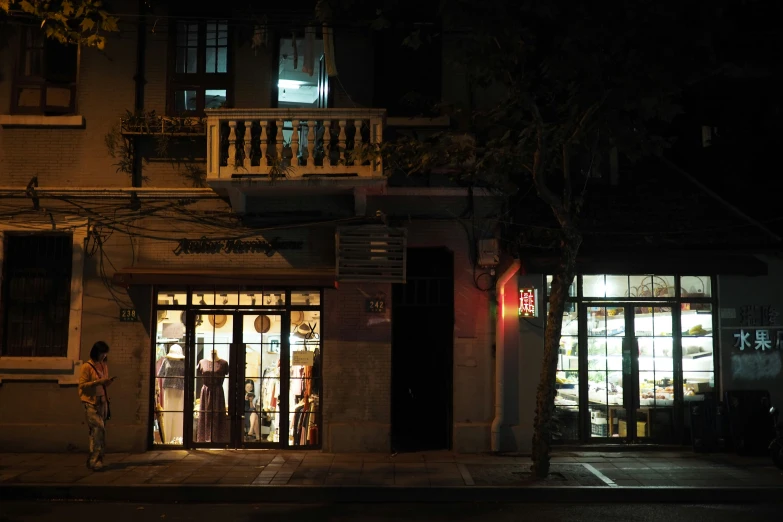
x,y
173,373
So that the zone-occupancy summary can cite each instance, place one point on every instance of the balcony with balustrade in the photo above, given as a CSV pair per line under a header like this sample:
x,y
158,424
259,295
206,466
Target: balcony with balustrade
x,y
294,147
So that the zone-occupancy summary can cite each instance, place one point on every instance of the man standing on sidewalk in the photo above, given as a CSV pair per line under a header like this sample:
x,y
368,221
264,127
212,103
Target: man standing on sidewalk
x,y
93,383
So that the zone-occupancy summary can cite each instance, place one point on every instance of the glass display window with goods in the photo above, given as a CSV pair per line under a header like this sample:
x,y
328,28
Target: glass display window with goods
x,y
631,360
247,363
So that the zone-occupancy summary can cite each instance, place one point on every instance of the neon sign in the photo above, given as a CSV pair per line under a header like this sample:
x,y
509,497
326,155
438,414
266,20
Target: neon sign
x,y
528,302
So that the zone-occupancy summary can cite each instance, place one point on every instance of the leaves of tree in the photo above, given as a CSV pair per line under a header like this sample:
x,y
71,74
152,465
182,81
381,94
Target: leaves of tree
x,y
67,21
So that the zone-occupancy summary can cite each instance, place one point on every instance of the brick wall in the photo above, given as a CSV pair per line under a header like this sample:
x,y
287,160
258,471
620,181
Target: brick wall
x,y
357,371
52,418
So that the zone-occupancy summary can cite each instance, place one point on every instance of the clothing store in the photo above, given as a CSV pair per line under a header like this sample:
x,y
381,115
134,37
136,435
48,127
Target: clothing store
x,y
236,368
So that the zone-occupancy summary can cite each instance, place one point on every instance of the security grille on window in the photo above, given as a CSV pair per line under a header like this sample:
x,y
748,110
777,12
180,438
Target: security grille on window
x,y
45,80
36,295
200,67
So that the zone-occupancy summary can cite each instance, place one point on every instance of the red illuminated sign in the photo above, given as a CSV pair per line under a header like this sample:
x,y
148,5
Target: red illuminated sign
x,y
528,302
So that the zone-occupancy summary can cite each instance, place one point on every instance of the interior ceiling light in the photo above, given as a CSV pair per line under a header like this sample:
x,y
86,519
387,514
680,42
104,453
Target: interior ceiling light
x,y
288,84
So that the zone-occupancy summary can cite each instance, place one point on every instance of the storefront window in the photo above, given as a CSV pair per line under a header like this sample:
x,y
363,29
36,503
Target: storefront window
x,y
306,298
605,285
605,332
169,398
653,331
698,361
632,342
172,298
203,297
571,288
226,381
695,286
304,399
567,386
651,286
261,382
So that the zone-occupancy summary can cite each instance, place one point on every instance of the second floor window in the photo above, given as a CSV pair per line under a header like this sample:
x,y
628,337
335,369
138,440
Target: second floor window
x,y
200,76
45,79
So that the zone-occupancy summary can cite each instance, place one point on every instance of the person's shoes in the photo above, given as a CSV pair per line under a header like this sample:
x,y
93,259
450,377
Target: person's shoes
x,y
98,466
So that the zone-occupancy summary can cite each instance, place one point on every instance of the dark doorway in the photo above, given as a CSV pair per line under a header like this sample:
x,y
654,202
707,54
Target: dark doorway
x,y
422,352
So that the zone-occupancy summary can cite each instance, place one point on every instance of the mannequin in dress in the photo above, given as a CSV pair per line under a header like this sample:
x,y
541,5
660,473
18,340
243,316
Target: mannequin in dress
x,y
172,372
213,425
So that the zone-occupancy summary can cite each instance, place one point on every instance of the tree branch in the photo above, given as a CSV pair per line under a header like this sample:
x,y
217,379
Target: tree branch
x,y
566,177
539,177
585,117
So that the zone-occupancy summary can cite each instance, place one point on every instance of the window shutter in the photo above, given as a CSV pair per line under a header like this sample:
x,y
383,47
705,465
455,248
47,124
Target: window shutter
x,y
371,253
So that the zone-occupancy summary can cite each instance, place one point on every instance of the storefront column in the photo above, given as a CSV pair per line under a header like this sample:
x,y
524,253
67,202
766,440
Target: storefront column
x,y
506,359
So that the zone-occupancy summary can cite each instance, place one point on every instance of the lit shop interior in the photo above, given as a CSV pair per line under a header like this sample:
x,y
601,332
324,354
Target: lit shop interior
x,y
634,349
237,368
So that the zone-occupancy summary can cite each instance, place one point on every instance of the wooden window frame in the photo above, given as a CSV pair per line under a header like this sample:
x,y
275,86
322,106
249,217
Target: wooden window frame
x,y
200,81
22,81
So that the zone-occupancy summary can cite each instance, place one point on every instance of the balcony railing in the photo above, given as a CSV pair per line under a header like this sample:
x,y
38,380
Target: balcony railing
x,y
294,143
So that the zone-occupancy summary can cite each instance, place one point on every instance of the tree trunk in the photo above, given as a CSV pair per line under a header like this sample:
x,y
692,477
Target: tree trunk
x,y
545,395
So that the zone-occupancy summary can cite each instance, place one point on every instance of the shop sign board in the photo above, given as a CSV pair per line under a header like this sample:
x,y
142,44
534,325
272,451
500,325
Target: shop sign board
x,y
760,339
128,315
302,358
528,302
235,246
758,329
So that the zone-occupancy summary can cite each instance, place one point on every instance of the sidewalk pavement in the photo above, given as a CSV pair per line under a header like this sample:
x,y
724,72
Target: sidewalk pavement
x,y
274,476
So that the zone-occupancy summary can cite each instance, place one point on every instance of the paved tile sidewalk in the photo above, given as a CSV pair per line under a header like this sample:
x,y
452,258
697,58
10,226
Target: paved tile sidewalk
x,y
418,470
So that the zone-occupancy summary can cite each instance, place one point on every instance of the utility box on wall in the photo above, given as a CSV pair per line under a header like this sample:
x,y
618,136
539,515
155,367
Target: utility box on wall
x,y
488,253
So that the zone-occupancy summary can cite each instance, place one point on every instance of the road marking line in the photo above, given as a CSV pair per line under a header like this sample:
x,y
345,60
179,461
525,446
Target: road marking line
x,y
609,482
463,470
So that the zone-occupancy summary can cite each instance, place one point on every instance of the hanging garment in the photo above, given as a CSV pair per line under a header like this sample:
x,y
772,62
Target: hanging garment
x,y
316,370
172,374
331,68
308,59
158,366
296,425
213,425
296,51
172,418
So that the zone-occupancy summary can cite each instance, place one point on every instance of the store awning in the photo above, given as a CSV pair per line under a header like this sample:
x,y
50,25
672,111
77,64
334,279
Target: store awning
x,y
317,278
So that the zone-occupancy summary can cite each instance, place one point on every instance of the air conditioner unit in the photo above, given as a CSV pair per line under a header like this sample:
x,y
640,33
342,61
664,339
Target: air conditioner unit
x,y
488,253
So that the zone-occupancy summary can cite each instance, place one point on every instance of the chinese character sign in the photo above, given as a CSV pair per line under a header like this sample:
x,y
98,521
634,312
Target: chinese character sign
x,y
762,339
755,315
528,302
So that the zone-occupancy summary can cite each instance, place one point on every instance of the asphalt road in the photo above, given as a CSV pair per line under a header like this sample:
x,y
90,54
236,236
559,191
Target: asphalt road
x,y
60,511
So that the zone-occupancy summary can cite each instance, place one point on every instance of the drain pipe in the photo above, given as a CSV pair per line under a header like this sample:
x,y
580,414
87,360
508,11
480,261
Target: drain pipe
x,y
499,421
138,103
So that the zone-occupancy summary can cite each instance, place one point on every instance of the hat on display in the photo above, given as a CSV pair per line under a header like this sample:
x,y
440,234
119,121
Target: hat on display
x,y
217,321
303,331
175,352
262,324
297,317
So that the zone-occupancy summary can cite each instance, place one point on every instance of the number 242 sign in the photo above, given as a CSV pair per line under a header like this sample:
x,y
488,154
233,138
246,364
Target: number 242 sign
x,y
376,306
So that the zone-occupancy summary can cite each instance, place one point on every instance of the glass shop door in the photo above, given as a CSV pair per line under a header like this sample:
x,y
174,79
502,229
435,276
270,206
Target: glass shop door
x,y
629,378
258,386
212,366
